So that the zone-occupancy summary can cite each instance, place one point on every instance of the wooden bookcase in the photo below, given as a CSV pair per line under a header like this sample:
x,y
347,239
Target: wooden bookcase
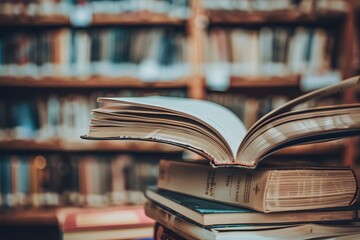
x,y
195,84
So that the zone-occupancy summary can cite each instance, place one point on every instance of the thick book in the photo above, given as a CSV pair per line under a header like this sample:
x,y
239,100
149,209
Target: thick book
x,y
128,222
216,133
262,189
190,230
163,233
209,213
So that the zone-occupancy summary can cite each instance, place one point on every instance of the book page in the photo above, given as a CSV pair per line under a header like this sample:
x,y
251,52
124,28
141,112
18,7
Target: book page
x,y
340,87
302,128
221,120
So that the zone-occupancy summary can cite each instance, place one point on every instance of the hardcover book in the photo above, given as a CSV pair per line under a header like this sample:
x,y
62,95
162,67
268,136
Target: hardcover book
x,y
189,230
262,189
211,213
216,133
127,222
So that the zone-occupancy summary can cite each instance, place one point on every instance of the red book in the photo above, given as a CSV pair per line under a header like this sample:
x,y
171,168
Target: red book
x,y
108,223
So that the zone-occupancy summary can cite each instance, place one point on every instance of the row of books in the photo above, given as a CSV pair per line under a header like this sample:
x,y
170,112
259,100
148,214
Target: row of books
x,y
148,54
269,51
249,109
174,8
273,5
74,179
57,116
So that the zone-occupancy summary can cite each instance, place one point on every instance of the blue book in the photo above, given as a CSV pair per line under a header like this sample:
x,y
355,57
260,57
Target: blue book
x,y
24,175
210,213
5,180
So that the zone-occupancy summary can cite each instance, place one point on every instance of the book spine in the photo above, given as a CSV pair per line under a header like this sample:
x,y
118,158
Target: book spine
x,y
232,186
164,233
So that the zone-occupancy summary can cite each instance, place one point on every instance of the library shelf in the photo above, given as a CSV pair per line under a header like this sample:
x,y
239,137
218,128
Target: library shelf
x,y
87,145
293,16
89,82
45,20
265,81
141,18
26,216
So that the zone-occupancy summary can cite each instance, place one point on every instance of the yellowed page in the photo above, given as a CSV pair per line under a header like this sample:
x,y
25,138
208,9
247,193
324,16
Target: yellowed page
x,y
340,87
228,126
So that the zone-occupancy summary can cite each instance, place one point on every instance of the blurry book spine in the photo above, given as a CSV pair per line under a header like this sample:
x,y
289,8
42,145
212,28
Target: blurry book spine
x,y
164,233
6,182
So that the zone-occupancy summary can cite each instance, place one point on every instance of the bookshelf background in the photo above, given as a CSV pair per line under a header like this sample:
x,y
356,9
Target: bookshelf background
x,y
55,60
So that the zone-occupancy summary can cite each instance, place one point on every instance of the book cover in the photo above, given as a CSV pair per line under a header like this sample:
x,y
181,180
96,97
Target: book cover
x,y
262,189
106,218
190,230
127,222
210,213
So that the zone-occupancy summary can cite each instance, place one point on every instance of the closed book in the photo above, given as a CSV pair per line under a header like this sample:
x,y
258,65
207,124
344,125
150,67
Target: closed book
x,y
127,222
263,189
190,230
208,213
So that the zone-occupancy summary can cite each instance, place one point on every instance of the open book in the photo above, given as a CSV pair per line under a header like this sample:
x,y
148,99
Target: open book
x,y
216,133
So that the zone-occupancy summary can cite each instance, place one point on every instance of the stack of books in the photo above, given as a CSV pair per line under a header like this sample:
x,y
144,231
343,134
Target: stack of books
x,y
197,201
237,197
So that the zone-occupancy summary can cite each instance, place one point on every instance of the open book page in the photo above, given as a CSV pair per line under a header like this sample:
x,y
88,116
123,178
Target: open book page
x,y
340,87
182,135
298,127
228,126
270,136
299,115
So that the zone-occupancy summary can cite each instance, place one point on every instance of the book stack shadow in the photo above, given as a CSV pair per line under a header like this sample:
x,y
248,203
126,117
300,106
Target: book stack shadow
x,y
196,201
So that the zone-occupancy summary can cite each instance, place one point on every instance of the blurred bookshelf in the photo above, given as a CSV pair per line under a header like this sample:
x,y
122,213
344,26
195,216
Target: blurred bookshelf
x,y
265,82
55,63
88,82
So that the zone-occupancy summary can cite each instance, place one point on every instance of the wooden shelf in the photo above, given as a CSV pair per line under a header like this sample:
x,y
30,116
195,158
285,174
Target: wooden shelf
x,y
280,16
88,82
264,82
144,18
87,145
141,18
28,216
